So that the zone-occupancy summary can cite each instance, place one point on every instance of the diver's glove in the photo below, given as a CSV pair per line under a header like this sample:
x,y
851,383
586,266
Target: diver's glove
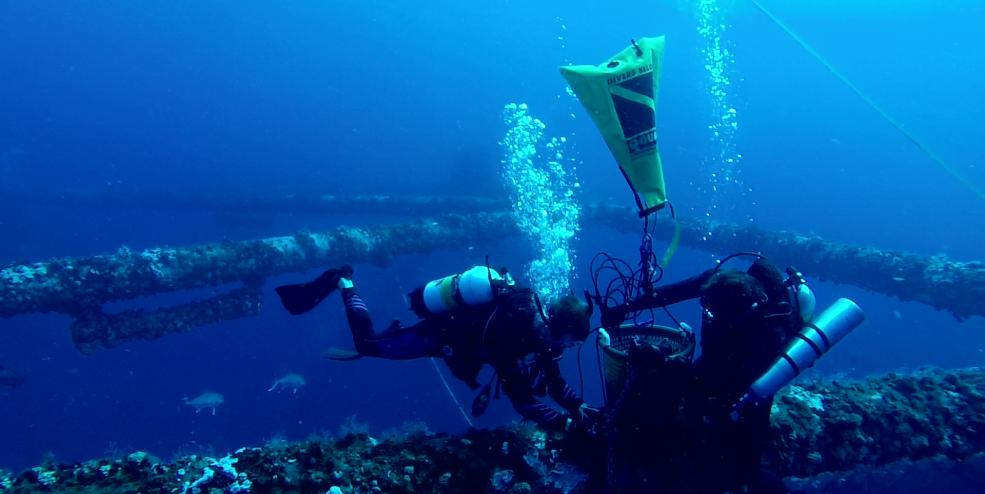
x,y
746,404
585,421
585,412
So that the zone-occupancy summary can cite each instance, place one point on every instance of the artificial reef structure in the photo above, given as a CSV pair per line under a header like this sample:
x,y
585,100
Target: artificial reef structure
x,y
819,428
79,287
893,433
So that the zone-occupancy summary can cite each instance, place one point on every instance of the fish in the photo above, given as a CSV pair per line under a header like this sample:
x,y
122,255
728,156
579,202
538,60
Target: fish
x,y
205,400
291,381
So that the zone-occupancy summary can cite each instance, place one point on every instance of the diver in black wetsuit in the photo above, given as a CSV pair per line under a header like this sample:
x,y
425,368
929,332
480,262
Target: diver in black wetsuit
x,y
471,320
696,441
748,319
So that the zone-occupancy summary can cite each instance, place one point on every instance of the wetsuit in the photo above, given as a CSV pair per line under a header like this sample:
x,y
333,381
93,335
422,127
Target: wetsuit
x,y
693,423
736,349
509,334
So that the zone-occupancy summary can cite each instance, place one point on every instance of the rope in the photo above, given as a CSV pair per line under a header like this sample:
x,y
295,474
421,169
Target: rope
x,y
454,398
872,104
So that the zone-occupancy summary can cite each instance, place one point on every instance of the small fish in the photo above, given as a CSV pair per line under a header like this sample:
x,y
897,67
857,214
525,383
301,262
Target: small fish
x,y
291,381
897,314
205,400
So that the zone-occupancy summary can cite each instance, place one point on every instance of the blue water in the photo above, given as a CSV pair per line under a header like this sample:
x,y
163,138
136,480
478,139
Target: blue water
x,y
245,98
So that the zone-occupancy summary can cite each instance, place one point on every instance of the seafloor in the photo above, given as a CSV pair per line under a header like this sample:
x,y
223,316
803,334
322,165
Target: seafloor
x,y
923,432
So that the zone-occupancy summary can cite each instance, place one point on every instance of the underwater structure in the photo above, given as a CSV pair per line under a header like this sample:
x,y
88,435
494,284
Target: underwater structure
x,y
824,433
79,287
827,436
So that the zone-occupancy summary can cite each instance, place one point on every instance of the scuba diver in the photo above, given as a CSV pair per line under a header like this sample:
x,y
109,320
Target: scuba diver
x,y
472,319
674,425
747,318
673,422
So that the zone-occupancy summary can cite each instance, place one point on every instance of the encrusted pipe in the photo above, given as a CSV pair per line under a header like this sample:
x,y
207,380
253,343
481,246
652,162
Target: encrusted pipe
x,y
80,286
893,420
938,281
837,425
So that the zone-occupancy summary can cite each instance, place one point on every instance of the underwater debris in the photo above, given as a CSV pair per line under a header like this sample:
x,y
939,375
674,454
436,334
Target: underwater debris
x,y
205,401
79,287
881,424
292,382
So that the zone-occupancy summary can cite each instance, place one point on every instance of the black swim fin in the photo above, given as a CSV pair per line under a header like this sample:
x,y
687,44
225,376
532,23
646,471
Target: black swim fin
x,y
301,298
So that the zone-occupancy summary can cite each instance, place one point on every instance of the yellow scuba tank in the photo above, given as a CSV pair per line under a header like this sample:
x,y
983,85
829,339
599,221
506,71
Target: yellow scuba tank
x,y
476,286
620,94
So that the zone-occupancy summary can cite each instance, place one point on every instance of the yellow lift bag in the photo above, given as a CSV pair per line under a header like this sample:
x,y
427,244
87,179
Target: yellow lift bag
x,y
621,96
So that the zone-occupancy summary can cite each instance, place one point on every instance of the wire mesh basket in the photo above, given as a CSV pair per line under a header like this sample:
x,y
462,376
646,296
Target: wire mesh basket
x,y
673,342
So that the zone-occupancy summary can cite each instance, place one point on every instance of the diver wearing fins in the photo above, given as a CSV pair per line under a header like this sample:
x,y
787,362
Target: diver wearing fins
x,y
472,319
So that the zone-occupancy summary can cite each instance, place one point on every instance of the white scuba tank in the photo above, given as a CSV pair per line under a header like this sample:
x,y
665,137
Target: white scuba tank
x,y
473,287
810,344
801,295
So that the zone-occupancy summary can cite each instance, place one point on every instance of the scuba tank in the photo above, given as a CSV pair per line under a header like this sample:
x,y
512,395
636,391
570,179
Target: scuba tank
x,y
813,341
801,295
476,286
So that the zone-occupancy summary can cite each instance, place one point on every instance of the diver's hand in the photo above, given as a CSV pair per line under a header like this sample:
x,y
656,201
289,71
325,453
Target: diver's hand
x,y
588,429
585,412
584,422
332,276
